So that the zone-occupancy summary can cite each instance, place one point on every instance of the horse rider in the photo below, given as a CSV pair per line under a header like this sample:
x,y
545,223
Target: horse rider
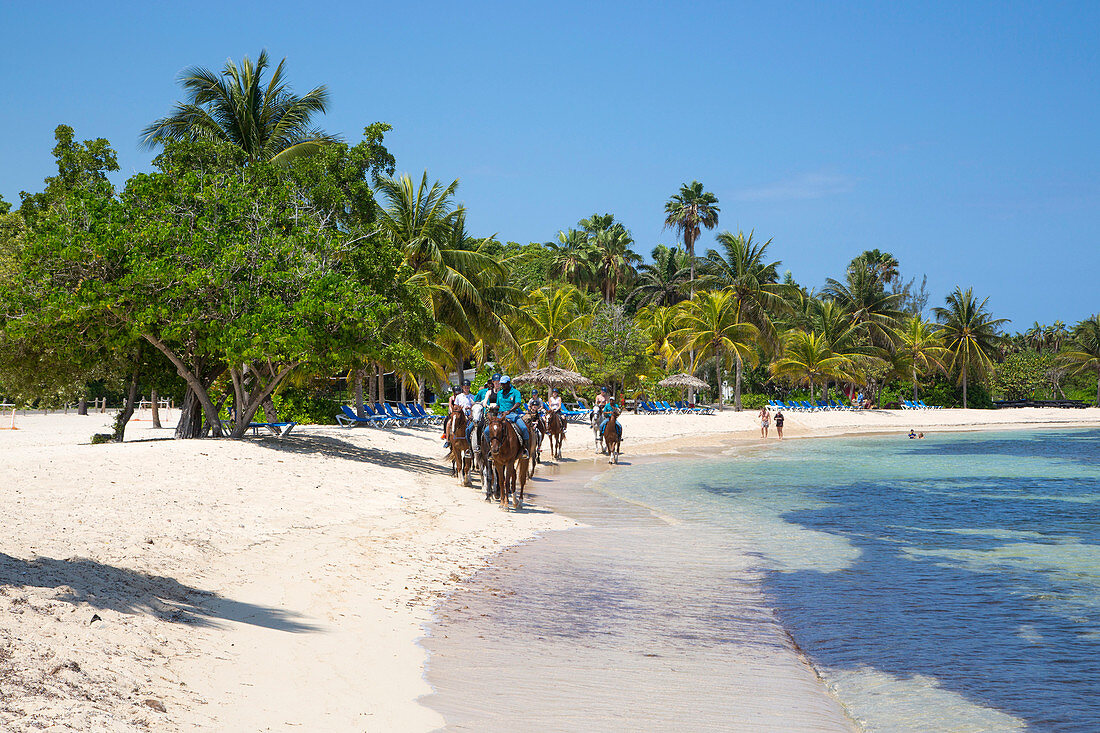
x,y
510,405
553,404
606,412
535,406
486,395
601,400
463,400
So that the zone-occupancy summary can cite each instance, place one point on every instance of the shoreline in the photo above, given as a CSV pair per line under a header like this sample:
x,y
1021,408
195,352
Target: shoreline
x,y
207,578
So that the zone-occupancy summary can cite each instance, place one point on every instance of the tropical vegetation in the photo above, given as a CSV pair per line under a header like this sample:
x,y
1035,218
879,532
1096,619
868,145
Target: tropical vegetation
x,y
263,265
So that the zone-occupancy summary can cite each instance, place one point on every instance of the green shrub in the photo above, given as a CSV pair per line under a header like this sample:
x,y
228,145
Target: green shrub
x,y
305,408
753,401
100,438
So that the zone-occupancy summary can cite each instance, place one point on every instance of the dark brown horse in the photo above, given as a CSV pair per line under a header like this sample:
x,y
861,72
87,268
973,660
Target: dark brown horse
x,y
555,428
536,428
506,453
462,455
611,437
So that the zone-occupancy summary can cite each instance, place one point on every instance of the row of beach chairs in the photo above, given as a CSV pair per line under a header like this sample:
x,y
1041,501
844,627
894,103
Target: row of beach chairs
x,y
918,405
806,406
680,408
388,414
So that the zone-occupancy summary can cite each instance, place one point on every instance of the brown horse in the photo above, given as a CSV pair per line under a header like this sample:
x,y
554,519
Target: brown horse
x,y
536,428
611,437
506,454
462,455
555,428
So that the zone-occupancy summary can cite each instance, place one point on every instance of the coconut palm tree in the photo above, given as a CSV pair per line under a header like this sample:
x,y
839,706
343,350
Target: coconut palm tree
x,y
265,119
919,349
615,260
660,324
573,258
876,312
1035,336
882,266
807,359
710,327
556,318
1084,353
664,282
688,212
970,334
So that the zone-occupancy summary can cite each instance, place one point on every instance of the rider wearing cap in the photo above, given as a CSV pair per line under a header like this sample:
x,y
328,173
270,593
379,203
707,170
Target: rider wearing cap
x,y
489,390
510,405
606,412
553,404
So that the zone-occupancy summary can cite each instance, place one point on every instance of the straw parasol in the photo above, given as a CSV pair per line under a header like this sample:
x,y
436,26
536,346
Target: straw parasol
x,y
683,381
553,376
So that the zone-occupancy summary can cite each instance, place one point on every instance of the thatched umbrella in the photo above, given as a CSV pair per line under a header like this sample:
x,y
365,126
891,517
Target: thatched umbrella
x,y
683,381
553,376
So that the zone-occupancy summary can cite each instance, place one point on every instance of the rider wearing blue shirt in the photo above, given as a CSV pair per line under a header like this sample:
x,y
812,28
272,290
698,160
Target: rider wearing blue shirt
x,y
510,405
608,410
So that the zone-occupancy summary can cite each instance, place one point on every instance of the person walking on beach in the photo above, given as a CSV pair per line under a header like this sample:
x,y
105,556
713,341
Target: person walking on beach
x,y
765,421
779,424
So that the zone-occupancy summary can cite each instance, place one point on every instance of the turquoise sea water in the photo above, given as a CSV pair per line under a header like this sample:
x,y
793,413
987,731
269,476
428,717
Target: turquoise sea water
x,y
950,583
945,584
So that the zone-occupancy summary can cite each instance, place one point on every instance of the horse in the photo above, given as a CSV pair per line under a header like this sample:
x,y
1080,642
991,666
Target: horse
x,y
611,436
594,423
462,454
505,450
481,456
555,428
537,429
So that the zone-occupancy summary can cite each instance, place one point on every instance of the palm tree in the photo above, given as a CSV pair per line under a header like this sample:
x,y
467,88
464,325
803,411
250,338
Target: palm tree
x,y
688,212
615,260
807,359
1036,336
554,328
1084,354
266,120
573,258
970,334
1058,335
663,282
882,266
742,268
710,327
659,324
875,311
919,349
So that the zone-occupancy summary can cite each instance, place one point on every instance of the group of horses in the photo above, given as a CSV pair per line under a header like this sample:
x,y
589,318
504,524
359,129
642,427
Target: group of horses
x,y
495,448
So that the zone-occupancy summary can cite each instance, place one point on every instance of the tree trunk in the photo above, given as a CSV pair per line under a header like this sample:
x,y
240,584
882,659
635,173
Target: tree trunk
x,y
964,388
718,376
154,408
422,392
381,383
194,382
82,406
914,383
190,424
403,388
1098,387
737,383
359,375
127,410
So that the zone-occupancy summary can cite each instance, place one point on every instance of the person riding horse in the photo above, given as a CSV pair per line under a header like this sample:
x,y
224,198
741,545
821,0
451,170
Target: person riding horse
x,y
460,399
553,404
535,407
510,405
608,410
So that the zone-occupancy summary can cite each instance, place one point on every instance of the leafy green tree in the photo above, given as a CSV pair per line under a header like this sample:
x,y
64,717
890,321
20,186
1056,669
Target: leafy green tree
x,y
807,359
664,282
621,347
688,212
1020,374
970,334
1084,354
710,327
659,324
265,119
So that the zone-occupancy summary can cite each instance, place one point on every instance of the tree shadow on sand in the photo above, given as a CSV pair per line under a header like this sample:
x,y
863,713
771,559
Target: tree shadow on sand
x,y
331,447
80,580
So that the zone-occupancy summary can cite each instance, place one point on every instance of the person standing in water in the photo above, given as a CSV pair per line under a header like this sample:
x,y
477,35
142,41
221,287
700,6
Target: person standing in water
x,y
779,424
765,421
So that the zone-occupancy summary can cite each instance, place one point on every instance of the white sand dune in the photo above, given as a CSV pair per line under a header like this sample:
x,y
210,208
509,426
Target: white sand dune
x,y
268,585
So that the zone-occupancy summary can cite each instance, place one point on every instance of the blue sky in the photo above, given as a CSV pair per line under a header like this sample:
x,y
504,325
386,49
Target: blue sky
x,y
962,137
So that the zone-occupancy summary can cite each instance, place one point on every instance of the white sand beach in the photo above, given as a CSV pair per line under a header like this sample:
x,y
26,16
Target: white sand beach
x,y
268,585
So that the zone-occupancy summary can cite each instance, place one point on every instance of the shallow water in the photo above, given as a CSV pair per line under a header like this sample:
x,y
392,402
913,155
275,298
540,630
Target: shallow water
x,y
947,584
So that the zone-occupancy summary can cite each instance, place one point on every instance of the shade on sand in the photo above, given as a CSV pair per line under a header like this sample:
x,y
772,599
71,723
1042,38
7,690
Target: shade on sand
x,y
553,376
683,381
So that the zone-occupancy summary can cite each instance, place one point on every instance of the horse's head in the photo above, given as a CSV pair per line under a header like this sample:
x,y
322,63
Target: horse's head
x,y
476,412
495,433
